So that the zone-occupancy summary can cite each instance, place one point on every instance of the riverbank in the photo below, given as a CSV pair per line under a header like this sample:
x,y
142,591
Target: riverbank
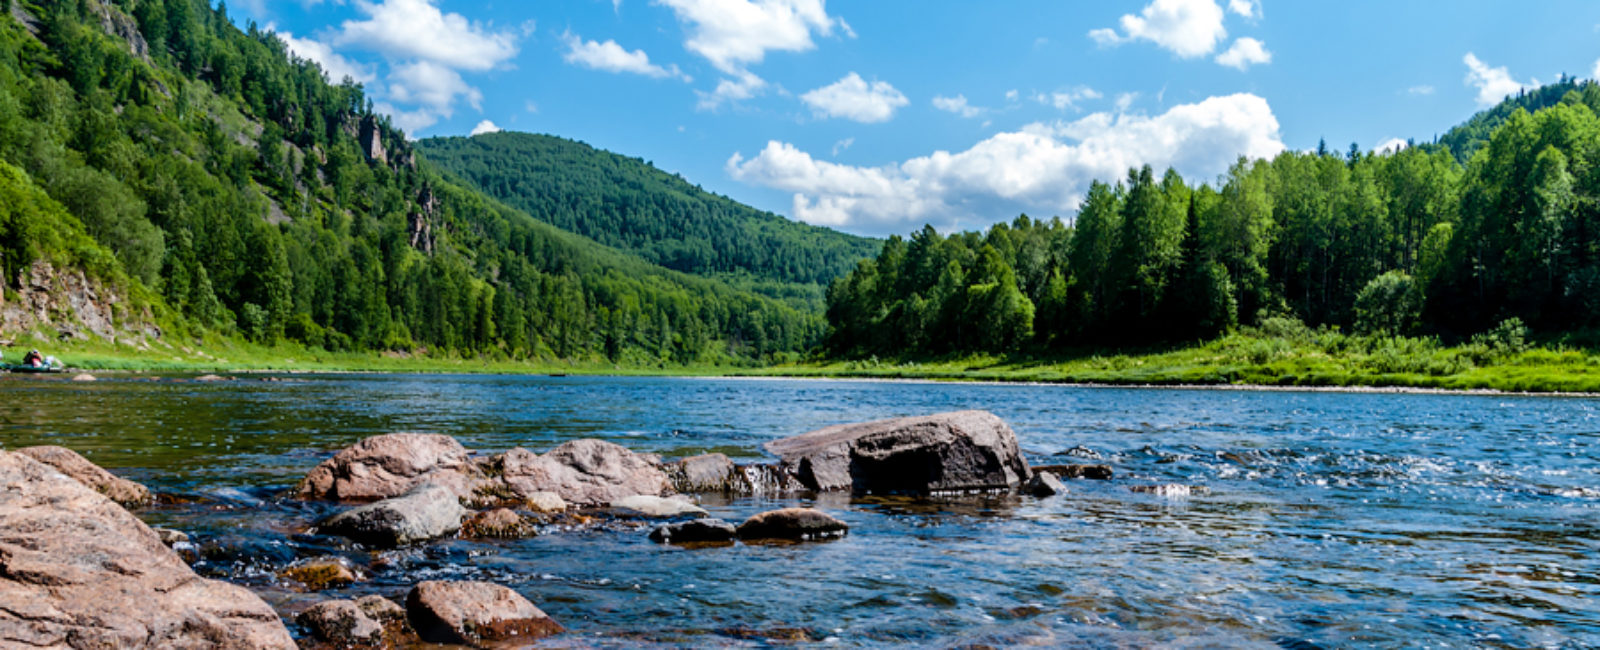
x,y
1295,359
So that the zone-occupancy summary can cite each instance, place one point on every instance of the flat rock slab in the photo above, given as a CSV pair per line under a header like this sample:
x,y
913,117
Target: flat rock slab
x,y
946,452
427,512
79,571
640,506
472,613
795,524
386,466
67,461
583,472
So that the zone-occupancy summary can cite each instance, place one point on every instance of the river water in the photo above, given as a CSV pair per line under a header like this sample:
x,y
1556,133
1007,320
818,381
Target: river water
x,y
1331,519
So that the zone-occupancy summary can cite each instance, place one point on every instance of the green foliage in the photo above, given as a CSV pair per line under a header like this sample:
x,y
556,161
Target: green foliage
x,y
1390,304
629,204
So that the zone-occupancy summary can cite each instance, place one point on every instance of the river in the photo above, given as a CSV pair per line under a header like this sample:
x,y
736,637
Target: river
x,y
1330,519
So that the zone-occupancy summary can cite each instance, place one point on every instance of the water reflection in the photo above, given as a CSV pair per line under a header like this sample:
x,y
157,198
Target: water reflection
x,y
1330,520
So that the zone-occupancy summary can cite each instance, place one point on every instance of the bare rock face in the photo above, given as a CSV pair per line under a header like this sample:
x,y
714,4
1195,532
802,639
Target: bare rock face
x,y
427,512
387,466
958,451
584,472
121,490
796,524
472,613
79,571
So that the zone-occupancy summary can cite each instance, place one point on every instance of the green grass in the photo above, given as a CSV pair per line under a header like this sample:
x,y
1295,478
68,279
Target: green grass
x,y
1278,354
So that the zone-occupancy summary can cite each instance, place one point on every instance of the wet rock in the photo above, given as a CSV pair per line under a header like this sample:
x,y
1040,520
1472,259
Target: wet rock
x,y
426,512
694,531
498,522
1096,472
1080,451
959,451
792,524
584,472
381,609
121,490
320,574
387,466
83,377
641,506
545,502
79,571
475,612
1044,484
342,622
710,473
1169,489
170,537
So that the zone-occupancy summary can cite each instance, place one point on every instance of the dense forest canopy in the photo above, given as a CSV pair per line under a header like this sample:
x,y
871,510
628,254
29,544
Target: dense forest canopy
x,y
230,188
629,204
1408,242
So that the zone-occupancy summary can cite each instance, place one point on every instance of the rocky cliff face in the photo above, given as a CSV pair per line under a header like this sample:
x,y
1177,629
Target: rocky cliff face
x,y
71,305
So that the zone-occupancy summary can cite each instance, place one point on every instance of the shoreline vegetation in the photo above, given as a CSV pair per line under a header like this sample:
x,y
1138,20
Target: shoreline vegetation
x,y
1280,354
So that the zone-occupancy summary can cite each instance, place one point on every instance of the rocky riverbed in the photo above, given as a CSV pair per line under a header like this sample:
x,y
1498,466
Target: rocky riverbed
x,y
78,569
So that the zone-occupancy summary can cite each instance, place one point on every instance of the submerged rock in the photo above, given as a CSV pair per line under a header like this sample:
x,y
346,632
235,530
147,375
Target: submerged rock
x,y
381,467
170,537
792,524
1096,472
475,612
499,522
427,512
694,531
79,571
959,451
121,490
642,506
584,472
321,573
1044,484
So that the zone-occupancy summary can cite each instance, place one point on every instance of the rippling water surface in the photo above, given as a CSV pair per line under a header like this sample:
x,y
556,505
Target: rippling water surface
x,y
1332,519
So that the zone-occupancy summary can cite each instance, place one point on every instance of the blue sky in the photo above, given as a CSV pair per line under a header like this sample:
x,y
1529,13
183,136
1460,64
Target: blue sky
x,y
877,116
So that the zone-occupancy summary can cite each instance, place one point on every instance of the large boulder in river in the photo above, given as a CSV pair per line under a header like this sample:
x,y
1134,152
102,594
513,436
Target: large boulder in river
x,y
79,571
796,524
67,461
472,613
959,451
583,472
389,465
427,512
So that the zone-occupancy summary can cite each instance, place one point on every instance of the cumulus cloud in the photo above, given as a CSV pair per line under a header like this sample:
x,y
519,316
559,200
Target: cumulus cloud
x,y
1069,98
1041,168
957,105
611,57
416,29
337,67
432,85
1246,8
743,85
485,126
852,98
1188,28
409,121
736,34
1244,53
1392,145
842,145
1493,84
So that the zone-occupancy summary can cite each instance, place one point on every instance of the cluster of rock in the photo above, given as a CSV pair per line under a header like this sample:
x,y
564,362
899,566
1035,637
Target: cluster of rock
x,y
78,570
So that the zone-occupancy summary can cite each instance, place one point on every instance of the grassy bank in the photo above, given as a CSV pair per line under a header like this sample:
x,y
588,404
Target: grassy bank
x,y
1280,353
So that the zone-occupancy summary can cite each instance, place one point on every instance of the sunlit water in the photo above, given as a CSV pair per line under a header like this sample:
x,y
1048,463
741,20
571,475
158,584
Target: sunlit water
x,y
1332,519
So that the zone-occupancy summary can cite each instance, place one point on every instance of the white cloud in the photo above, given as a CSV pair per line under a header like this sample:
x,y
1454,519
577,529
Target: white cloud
x,y
336,67
431,85
1596,73
1189,28
1244,53
736,34
743,86
1420,90
485,127
842,145
1125,101
1011,95
957,105
1246,8
852,98
1069,98
415,29
1392,145
1493,84
408,121
611,57
1041,169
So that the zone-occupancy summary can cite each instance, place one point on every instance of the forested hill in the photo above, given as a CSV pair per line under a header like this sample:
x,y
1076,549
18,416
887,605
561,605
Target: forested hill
x,y
1399,243
227,189
628,203
1466,138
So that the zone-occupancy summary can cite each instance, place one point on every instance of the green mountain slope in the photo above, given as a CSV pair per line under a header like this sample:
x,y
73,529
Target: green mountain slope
x,y
1468,137
231,190
628,203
